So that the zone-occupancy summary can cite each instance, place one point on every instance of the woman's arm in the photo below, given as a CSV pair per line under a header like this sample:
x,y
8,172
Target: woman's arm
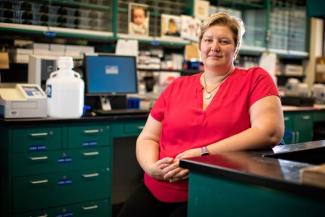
x,y
147,150
267,128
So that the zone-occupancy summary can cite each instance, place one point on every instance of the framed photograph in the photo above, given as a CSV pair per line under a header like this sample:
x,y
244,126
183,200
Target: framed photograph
x,y
201,9
170,25
138,19
190,28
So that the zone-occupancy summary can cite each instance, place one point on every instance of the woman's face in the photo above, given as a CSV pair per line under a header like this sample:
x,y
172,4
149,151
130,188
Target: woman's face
x,y
218,47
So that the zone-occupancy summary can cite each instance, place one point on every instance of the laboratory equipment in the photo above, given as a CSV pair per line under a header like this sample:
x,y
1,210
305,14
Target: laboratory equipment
x,y
22,101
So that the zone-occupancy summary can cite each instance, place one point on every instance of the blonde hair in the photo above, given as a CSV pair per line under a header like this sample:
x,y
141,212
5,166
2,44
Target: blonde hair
x,y
235,24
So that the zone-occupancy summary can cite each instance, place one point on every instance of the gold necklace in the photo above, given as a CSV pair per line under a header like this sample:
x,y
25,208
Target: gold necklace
x,y
208,94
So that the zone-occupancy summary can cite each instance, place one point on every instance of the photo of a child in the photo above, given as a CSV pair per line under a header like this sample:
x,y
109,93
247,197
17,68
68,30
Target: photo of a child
x,y
138,19
190,28
170,25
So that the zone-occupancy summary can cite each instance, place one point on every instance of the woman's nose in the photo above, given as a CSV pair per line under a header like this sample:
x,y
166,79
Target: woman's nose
x,y
215,45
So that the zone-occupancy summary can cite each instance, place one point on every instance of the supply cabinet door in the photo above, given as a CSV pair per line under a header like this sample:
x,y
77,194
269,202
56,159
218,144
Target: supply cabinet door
x,y
289,133
298,127
304,127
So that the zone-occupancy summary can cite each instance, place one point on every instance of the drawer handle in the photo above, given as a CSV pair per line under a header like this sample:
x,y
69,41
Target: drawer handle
x,y
297,136
90,207
140,127
306,117
94,153
91,175
37,182
39,134
38,158
91,131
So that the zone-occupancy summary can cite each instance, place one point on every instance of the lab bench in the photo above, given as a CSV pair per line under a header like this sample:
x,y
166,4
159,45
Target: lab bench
x,y
256,183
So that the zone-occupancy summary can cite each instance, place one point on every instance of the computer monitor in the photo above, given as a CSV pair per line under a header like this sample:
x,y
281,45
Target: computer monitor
x,y
110,75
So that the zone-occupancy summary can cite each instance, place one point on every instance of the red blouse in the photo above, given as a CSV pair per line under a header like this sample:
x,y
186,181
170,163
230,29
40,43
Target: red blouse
x,y
185,125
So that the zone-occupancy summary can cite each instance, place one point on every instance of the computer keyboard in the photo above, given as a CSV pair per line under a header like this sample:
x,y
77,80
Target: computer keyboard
x,y
121,112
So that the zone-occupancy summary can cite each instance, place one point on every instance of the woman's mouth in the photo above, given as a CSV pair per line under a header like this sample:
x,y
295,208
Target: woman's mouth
x,y
215,56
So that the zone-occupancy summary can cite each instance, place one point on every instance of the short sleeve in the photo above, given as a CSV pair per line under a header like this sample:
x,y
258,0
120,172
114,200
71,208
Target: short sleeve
x,y
262,86
159,108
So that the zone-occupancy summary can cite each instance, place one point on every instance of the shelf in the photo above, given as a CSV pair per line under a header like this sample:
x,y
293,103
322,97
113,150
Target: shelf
x,y
57,31
241,4
183,71
79,4
290,53
156,41
159,70
291,76
246,49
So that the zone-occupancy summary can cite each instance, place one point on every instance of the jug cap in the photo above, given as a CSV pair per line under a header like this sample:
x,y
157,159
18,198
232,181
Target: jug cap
x,y
65,62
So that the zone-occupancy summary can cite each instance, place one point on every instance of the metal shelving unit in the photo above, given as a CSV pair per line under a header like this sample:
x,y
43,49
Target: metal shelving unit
x,y
108,20
85,19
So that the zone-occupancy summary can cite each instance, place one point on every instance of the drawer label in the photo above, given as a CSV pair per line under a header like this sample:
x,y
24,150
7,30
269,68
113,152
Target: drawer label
x,y
89,143
63,160
37,147
65,182
68,214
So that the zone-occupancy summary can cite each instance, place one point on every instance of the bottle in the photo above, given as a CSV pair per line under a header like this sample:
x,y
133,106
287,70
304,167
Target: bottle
x,y
65,91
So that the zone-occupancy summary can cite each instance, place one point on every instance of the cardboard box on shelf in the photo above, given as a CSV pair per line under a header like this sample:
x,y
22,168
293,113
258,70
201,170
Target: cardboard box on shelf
x,y
294,70
320,70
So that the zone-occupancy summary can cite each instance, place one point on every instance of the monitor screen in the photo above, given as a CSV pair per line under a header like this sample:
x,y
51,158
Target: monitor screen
x,y
110,75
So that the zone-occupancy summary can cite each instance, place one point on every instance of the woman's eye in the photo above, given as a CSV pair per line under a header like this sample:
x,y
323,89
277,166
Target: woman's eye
x,y
207,40
224,42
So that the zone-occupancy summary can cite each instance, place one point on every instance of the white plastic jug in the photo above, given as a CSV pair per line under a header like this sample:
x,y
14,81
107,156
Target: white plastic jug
x,y
65,91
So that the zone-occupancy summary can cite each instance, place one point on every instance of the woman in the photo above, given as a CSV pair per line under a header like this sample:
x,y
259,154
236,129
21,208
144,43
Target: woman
x,y
220,110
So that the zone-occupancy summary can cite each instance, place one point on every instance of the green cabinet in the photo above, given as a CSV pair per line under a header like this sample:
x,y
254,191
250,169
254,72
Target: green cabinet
x,y
125,129
51,190
298,127
87,209
231,195
60,168
53,166
36,139
88,136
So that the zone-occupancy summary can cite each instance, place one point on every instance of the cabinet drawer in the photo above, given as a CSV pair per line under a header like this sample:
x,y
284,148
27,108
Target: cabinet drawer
x,y
89,209
88,136
60,161
133,127
39,192
36,139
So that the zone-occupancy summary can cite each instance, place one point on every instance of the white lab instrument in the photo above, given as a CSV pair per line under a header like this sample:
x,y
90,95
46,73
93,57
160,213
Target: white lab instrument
x,y
40,68
23,101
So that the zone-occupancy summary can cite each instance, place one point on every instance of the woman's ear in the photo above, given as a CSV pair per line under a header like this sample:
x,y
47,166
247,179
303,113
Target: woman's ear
x,y
236,53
